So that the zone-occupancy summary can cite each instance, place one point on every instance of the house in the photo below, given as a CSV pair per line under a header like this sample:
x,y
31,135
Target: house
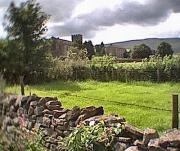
x,y
115,51
60,47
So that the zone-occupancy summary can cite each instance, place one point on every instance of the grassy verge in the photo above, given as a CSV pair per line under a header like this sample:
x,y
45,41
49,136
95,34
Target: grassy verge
x,y
112,96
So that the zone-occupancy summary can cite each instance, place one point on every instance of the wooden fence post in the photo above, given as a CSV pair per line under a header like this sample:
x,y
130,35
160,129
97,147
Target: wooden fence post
x,y
126,76
175,118
158,75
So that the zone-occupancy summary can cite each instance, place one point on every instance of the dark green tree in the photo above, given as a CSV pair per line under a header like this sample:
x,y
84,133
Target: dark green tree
x,y
90,49
127,53
3,55
141,51
100,49
164,49
25,24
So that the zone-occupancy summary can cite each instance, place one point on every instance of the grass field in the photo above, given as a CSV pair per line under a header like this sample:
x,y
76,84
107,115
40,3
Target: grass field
x,y
111,95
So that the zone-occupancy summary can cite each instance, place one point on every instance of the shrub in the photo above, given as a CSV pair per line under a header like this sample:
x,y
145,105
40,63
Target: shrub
x,y
104,61
89,138
19,140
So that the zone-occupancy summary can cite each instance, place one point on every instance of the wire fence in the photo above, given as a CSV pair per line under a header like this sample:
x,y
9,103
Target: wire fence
x,y
123,103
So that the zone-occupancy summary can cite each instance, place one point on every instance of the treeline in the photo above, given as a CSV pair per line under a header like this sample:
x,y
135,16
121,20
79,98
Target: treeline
x,y
143,51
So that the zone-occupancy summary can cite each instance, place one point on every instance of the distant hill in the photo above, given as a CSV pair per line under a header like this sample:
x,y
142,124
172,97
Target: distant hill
x,y
151,42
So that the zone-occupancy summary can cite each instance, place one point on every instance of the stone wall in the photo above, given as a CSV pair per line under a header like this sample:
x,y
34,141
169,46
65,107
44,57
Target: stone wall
x,y
55,122
60,47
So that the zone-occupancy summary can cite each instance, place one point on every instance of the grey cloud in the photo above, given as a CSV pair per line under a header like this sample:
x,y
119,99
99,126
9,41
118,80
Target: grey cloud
x,y
174,4
59,10
5,3
75,26
151,13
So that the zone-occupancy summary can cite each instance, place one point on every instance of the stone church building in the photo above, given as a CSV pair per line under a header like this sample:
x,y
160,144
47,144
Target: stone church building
x,y
60,47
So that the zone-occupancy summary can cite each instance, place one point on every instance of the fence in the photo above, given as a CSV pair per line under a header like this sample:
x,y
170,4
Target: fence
x,y
175,112
124,75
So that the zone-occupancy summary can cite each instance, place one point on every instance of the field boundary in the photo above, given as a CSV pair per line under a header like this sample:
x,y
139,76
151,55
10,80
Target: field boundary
x,y
123,103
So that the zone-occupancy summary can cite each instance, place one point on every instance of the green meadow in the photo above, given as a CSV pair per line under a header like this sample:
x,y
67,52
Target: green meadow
x,y
138,102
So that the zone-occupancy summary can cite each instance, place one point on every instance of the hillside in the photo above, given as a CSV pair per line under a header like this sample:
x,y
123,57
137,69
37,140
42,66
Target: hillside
x,y
151,42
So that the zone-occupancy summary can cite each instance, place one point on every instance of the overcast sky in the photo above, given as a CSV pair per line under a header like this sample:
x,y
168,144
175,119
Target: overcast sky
x,y
108,20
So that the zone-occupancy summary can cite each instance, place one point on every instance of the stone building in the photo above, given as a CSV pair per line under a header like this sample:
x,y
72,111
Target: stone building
x,y
77,38
115,51
60,46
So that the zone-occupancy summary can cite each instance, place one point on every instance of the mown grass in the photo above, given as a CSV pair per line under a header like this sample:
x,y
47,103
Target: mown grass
x,y
110,95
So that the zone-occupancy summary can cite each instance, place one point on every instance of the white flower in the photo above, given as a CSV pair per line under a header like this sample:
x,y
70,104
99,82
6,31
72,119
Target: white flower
x,y
91,123
118,125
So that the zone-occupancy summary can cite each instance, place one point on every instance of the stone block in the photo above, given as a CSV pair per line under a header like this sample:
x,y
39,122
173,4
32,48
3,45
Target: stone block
x,y
153,145
73,114
170,139
58,113
46,121
54,102
38,111
46,111
54,107
133,132
89,112
148,135
31,111
119,146
133,148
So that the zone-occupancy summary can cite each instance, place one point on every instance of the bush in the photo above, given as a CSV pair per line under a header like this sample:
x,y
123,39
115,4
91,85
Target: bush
x,y
89,138
104,61
18,140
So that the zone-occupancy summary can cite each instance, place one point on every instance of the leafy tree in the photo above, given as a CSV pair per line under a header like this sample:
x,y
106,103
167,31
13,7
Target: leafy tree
x,y
141,51
74,53
90,49
164,49
100,49
25,25
3,55
127,53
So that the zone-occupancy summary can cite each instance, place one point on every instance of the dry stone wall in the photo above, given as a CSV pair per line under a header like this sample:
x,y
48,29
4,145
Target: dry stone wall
x,y
55,122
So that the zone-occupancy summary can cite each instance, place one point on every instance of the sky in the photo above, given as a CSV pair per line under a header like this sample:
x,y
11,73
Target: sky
x,y
108,20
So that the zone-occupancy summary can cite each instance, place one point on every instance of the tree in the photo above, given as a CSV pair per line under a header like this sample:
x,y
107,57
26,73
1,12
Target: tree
x,y
3,55
75,54
164,49
100,49
25,25
90,49
127,53
141,51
